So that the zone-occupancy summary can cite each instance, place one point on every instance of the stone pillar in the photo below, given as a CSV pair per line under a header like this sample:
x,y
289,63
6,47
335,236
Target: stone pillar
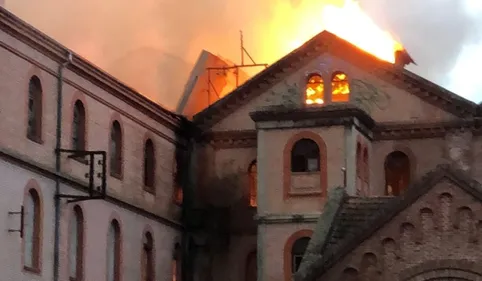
x,y
458,145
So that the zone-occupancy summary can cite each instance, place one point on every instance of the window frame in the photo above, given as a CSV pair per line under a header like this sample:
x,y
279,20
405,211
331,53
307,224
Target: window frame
x,y
35,263
34,110
149,167
77,218
116,157
79,128
116,251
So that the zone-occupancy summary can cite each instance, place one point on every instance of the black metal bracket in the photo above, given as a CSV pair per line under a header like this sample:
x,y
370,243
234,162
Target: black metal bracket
x,y
20,230
95,192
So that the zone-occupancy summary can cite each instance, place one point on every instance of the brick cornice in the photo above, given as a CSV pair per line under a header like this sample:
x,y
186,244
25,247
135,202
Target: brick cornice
x,y
380,132
230,139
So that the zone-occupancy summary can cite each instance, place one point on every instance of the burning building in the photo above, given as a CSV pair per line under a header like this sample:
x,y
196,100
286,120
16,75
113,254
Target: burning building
x,y
335,162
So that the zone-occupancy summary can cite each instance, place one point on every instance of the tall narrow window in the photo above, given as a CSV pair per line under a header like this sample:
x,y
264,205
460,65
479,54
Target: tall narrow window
x,y
147,259
116,150
253,183
76,245
366,172
78,126
32,228
314,91
176,264
113,252
359,170
397,173
305,156
340,88
34,126
149,165
178,193
297,252
251,267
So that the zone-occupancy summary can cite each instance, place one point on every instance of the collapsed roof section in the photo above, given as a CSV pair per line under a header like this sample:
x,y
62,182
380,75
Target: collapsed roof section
x,y
211,79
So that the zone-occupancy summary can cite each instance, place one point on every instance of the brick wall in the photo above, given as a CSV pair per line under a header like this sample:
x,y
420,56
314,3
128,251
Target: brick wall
x,y
440,228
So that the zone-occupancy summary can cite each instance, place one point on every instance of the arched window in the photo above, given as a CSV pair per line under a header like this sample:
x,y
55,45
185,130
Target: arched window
x,y
149,165
251,267
297,252
76,245
366,172
305,156
113,251
359,169
147,259
253,183
34,126
340,88
314,91
397,173
32,231
116,150
78,126
176,263
178,192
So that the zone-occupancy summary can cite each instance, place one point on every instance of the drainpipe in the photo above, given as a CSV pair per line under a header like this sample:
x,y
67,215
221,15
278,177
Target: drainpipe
x,y
58,138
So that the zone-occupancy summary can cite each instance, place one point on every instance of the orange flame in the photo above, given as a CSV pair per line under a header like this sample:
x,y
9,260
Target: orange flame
x,y
345,18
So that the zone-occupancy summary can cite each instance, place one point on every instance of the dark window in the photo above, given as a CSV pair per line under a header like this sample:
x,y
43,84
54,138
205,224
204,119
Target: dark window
x,y
32,229
253,183
78,126
176,264
34,126
149,165
305,156
359,169
397,173
297,252
76,247
113,252
251,267
116,150
147,259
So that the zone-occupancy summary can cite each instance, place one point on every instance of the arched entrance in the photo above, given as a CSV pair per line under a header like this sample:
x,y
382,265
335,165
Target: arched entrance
x,y
444,270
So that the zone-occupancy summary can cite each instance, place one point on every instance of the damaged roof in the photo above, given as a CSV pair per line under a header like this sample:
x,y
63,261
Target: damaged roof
x,y
326,42
357,219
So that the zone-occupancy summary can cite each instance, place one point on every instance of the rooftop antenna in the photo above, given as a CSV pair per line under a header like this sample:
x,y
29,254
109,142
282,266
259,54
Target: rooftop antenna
x,y
235,67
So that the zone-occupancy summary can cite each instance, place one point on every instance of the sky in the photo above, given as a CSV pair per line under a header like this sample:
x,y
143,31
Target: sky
x,y
151,45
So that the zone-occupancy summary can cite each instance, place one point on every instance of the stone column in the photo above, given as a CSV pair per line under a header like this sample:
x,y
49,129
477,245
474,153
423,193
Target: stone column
x,y
458,145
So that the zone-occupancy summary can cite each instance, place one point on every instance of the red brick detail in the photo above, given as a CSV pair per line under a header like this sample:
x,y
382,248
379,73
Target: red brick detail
x,y
287,251
287,164
447,267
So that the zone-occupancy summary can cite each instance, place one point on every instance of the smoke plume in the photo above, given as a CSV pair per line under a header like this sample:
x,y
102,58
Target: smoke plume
x,y
152,44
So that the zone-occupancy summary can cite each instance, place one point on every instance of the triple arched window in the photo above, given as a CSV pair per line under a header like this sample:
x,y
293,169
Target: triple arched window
x,y
315,89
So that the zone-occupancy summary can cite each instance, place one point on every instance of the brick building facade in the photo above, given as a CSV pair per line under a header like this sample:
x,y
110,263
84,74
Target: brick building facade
x,y
378,165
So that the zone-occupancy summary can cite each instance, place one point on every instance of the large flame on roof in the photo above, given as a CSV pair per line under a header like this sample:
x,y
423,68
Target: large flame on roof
x,y
345,18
